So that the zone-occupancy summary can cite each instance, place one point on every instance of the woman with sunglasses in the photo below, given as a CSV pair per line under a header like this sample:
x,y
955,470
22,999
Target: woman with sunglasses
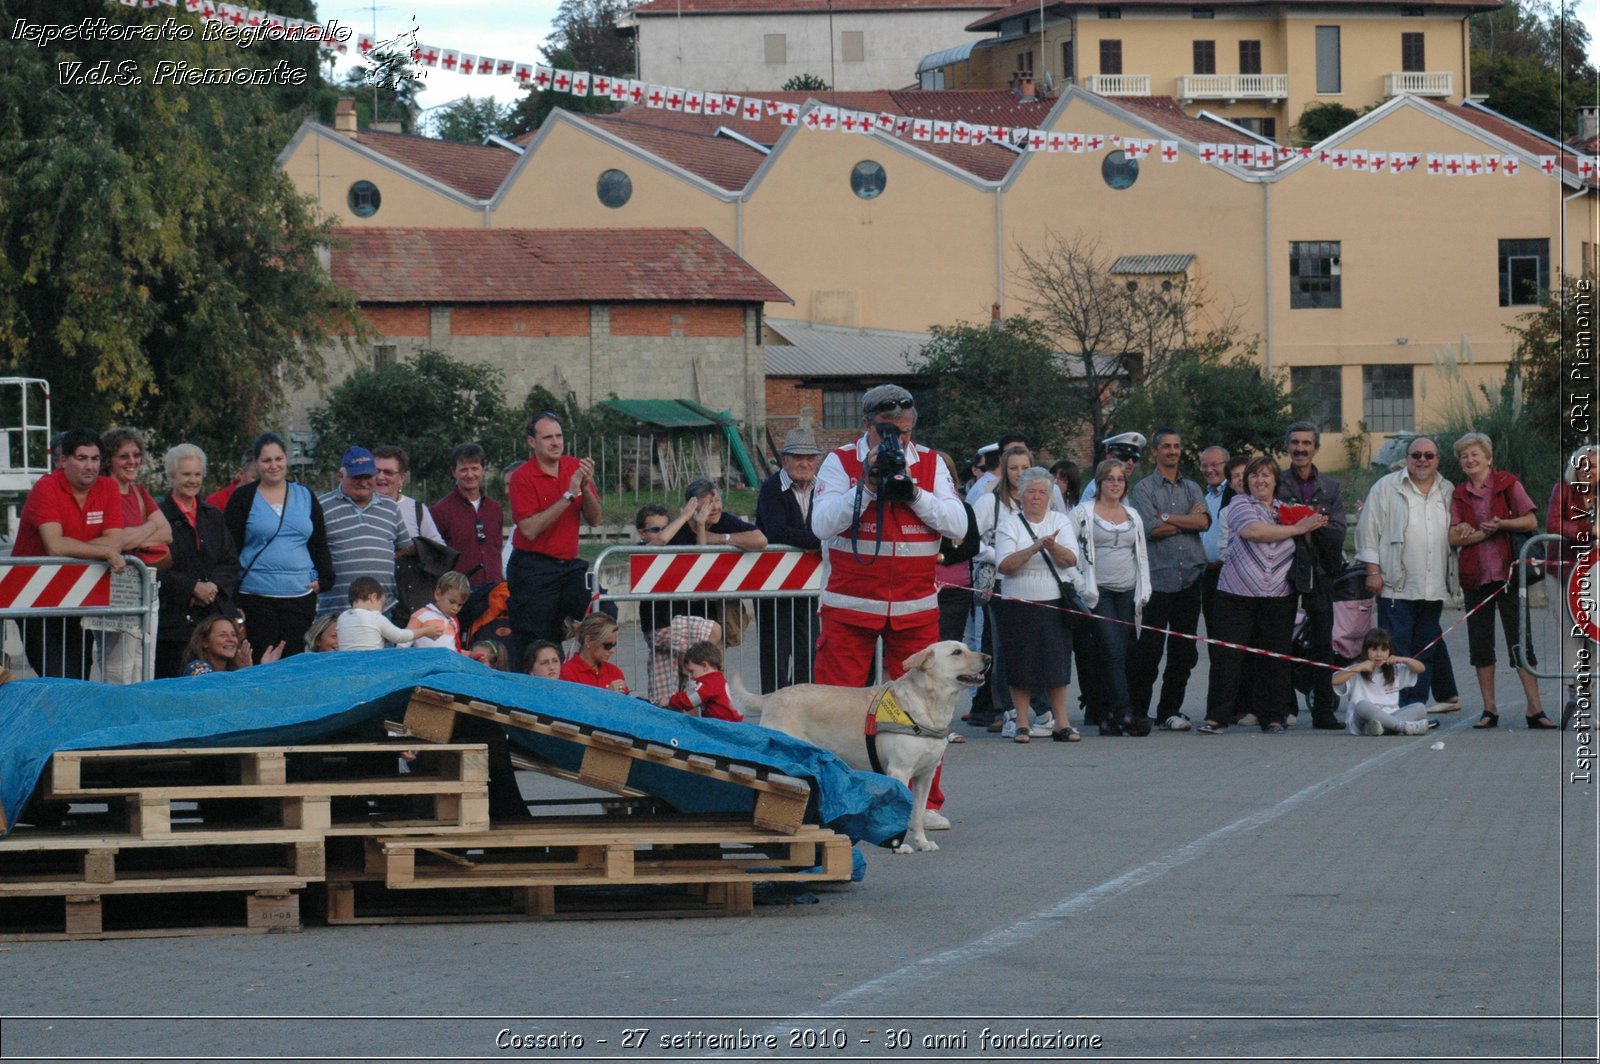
x,y
591,665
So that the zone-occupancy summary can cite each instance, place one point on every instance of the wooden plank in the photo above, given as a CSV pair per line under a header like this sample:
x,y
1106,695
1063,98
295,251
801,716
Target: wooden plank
x,y
429,720
83,914
266,766
99,866
155,885
273,910
780,812
605,768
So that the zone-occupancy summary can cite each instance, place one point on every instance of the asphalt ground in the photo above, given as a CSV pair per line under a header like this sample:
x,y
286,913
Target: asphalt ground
x,y
1310,896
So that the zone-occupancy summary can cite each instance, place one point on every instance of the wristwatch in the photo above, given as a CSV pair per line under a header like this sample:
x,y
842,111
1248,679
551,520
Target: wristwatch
x,y
1165,517
567,495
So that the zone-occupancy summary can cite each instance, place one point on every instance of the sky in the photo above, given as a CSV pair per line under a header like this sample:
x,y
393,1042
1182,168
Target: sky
x,y
515,29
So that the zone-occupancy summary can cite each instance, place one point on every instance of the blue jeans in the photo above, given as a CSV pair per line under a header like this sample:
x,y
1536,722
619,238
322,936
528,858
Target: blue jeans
x,y
1110,646
1413,624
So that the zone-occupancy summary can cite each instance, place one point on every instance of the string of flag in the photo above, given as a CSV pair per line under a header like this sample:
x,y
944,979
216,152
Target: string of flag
x,y
829,118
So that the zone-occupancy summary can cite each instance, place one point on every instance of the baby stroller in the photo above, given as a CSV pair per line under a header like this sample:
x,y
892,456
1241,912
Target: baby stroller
x,y
1354,615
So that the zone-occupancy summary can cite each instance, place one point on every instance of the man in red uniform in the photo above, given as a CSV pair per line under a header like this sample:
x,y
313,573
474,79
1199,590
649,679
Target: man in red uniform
x,y
880,578
72,513
546,576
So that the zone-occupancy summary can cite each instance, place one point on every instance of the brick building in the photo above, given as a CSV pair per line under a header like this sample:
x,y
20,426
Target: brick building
x,y
635,313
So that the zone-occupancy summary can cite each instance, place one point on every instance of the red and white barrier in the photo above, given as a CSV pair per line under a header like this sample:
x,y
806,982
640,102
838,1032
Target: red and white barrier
x,y
51,585
724,572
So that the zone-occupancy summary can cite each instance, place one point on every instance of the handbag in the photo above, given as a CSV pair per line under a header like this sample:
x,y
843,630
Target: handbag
x,y
984,571
1072,605
416,574
157,556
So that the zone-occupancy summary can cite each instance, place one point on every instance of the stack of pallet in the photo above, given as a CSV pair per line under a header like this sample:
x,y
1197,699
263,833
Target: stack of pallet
x,y
227,840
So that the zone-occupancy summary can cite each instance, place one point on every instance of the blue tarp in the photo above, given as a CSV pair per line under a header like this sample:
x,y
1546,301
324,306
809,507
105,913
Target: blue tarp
x,y
309,697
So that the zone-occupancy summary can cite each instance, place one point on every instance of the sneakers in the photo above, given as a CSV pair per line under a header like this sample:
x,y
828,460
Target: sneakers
x,y
1432,724
1371,727
1008,730
1043,730
1415,727
933,820
1274,729
1177,722
1247,721
1291,719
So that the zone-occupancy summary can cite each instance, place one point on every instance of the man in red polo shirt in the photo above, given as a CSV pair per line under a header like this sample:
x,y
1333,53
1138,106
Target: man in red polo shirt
x,y
548,493
72,513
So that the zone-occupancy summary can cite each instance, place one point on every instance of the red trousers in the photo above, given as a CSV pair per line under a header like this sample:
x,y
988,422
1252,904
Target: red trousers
x,y
845,654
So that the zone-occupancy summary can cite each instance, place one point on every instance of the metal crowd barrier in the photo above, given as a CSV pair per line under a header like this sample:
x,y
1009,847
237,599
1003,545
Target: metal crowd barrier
x,y
773,591
79,620
1564,660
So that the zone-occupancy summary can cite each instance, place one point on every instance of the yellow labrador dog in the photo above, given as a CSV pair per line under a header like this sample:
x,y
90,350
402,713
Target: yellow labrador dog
x,y
910,716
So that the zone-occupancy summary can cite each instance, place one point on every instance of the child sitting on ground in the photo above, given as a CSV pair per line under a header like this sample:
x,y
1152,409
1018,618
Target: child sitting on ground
x,y
364,627
1372,690
449,595
705,694
544,659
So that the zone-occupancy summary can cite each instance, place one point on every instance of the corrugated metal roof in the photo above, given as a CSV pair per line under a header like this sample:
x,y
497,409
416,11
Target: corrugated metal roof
x,y
1152,264
668,413
831,351
949,55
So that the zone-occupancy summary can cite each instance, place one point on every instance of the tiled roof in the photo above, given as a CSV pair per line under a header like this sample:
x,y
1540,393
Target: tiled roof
x,y
811,350
993,20
784,7
1505,129
722,161
475,170
989,162
1165,112
382,265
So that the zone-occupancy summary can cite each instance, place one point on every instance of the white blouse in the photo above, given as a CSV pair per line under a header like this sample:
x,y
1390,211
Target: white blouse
x,y
1034,581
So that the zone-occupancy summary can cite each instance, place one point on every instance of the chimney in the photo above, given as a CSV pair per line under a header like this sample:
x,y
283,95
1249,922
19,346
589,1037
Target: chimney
x,y
994,317
1588,123
1022,85
344,117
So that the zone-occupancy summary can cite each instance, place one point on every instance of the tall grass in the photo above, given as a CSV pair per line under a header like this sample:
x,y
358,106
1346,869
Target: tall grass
x,y
1533,457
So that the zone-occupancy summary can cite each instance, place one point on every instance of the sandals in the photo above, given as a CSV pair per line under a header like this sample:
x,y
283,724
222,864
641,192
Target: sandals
x,y
1211,728
1487,721
1540,722
1069,734
1021,736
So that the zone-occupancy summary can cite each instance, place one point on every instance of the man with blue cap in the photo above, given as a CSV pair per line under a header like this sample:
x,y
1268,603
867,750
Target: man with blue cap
x,y
366,532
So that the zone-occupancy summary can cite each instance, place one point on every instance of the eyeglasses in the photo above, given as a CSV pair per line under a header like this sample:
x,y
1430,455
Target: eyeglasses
x,y
478,528
655,530
890,405
611,645
1424,456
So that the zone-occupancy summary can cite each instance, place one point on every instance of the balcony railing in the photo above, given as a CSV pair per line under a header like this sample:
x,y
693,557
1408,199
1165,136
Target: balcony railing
x,y
1418,83
1118,84
1233,86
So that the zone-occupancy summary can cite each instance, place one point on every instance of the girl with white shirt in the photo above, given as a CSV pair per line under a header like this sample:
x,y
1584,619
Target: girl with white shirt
x,y
1114,567
1037,549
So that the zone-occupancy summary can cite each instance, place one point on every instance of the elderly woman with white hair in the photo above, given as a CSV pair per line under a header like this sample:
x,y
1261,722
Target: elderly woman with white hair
x,y
205,562
1574,515
1485,509
1037,553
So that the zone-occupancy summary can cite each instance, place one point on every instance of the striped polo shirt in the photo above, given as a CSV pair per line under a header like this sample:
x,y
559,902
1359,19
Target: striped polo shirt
x,y
362,541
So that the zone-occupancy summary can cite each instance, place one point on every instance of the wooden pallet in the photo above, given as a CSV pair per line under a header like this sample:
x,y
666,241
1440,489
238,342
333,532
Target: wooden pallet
x,y
608,759
297,790
43,862
355,900
238,906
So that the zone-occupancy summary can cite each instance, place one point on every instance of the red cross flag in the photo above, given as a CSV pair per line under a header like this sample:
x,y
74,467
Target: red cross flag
x,y
922,131
1056,143
619,90
1358,159
1547,164
1285,153
1378,163
1338,160
580,83
674,99
487,65
693,103
449,60
1491,164
1509,165
1225,153
884,121
902,125
1585,167
752,110
523,74
847,121
829,118
774,106
636,91
1036,140
1116,140
1075,143
863,121
469,64
562,82
600,85
788,115
713,104
1473,164
504,66
1435,164
1397,161
813,119
1244,154
960,133
543,76
363,42
426,55
656,98
941,132
1453,165
1169,151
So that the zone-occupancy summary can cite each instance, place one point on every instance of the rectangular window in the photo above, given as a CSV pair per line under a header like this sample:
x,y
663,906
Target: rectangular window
x,y
775,48
1261,127
1412,56
1249,57
383,356
853,46
1316,396
1328,80
1111,12
1386,401
841,408
1314,274
1110,57
1024,62
1205,57
1067,72
1202,12
1524,271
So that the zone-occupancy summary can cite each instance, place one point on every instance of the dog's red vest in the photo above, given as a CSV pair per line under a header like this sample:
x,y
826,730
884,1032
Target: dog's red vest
x,y
894,577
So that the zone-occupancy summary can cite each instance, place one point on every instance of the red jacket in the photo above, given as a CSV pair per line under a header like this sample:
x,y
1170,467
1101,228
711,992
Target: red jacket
x,y
899,582
710,695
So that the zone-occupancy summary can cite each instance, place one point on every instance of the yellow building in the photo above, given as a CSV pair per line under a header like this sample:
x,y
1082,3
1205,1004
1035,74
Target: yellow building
x,y
1356,281
1256,64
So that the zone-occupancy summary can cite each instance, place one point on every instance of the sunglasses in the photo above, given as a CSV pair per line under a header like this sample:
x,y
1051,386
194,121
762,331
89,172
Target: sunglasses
x,y
611,645
891,405
1424,456
655,530
478,528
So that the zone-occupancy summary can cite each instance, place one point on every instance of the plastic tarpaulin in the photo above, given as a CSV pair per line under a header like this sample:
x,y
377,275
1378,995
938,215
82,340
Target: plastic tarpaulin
x,y
310,697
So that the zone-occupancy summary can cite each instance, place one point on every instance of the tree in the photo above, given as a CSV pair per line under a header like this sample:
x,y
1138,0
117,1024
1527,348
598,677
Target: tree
x,y
535,106
385,88
1116,330
805,83
985,380
427,405
583,36
155,265
1530,59
1213,400
1543,338
471,120
1319,121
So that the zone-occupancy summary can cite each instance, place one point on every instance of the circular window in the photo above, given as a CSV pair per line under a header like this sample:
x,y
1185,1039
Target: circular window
x,y
614,188
364,199
867,179
1119,171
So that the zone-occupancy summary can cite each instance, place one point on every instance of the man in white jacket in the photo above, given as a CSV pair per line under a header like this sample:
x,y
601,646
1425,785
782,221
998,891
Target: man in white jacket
x,y
1403,539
